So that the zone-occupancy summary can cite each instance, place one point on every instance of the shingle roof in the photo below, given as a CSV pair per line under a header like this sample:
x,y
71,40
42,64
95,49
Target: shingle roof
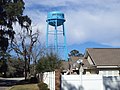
x,y
105,56
65,65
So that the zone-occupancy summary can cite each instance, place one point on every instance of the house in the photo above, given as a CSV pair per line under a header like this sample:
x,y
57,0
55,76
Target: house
x,y
101,71
101,61
72,67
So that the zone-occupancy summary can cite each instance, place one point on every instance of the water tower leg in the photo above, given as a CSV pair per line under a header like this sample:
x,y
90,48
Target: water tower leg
x,y
47,36
56,37
65,44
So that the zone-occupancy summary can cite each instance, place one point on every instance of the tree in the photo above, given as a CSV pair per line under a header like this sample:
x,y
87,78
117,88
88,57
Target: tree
x,y
15,67
75,53
12,67
3,67
37,52
48,63
23,46
11,11
3,62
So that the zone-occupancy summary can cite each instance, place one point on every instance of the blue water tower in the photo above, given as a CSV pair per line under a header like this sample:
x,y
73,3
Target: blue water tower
x,y
55,34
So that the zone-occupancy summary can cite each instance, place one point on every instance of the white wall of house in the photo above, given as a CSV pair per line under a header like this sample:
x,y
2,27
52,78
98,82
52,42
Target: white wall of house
x,y
105,73
109,73
49,79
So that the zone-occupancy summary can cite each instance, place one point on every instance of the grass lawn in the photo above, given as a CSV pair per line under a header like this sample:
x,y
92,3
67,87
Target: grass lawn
x,y
25,87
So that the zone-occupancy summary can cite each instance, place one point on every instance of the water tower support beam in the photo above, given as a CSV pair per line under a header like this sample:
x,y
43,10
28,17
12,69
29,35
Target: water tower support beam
x,y
47,35
56,37
65,44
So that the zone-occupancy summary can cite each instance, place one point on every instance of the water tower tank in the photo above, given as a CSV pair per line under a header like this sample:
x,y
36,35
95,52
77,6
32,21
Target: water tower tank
x,y
54,17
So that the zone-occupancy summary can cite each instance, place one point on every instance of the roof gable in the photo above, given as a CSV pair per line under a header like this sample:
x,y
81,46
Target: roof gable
x,y
104,56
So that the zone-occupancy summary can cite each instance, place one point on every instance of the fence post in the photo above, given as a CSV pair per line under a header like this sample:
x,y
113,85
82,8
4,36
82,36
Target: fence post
x,y
57,79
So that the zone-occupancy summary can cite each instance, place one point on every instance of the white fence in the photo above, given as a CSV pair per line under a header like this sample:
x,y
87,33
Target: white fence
x,y
49,79
91,82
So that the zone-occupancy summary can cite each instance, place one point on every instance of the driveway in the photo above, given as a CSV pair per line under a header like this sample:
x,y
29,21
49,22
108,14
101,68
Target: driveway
x,y
6,83
4,88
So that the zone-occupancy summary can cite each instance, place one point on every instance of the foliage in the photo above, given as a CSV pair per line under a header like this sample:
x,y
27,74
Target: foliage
x,y
48,63
3,67
11,11
75,53
12,67
15,67
25,87
3,62
43,86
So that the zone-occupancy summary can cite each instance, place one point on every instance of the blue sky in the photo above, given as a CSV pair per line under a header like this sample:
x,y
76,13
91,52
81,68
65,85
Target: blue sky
x,y
89,23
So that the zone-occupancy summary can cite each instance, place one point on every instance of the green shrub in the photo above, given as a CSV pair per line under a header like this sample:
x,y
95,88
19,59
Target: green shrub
x,y
43,86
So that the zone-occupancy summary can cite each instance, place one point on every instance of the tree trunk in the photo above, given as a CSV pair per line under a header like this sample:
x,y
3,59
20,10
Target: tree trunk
x,y
28,68
25,64
34,68
41,77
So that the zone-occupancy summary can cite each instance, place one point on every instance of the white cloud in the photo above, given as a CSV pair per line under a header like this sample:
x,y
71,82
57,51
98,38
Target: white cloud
x,y
86,20
98,27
